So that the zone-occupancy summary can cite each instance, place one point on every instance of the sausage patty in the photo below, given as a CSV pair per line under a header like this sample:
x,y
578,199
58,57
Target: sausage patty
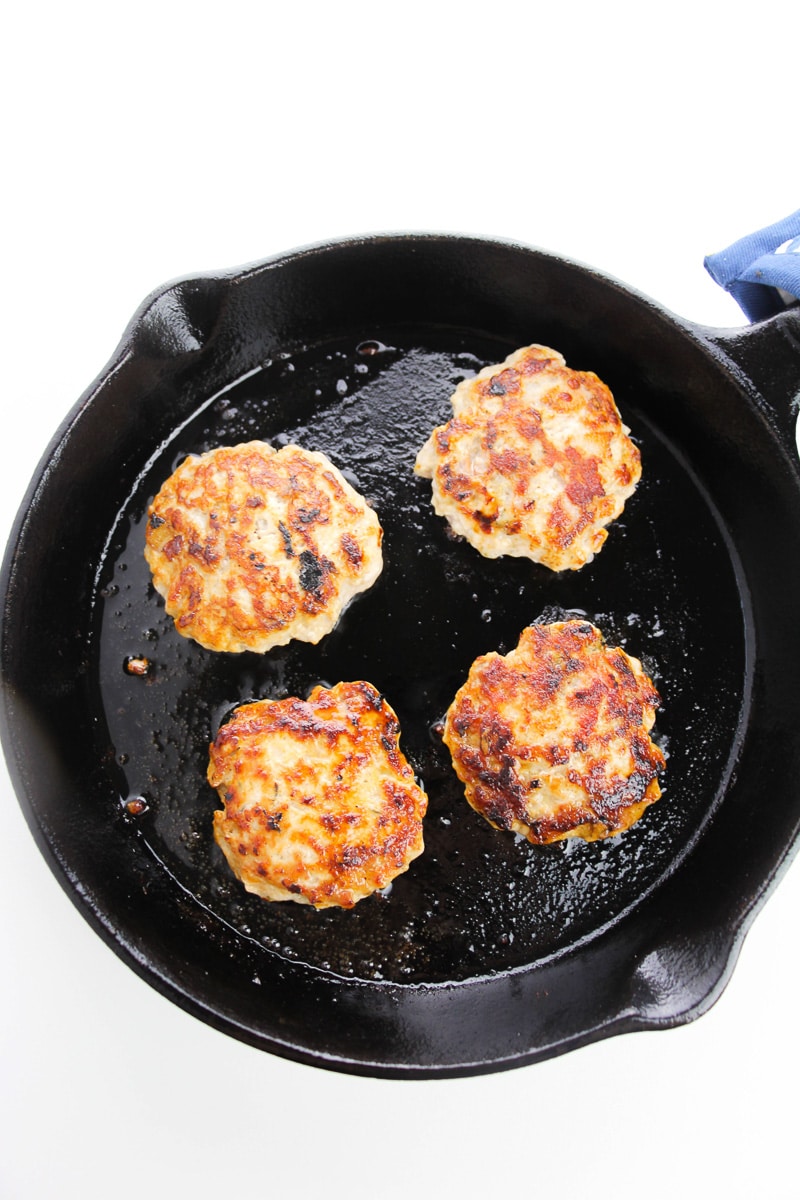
x,y
552,740
321,805
251,546
535,461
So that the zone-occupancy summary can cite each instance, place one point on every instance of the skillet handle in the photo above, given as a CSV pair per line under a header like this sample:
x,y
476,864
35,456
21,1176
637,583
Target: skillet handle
x,y
766,356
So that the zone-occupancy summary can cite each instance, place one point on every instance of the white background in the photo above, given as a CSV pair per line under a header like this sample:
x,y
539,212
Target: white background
x,y
143,142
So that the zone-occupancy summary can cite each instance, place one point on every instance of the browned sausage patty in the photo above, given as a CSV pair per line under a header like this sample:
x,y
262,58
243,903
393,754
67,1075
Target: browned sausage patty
x,y
251,547
321,806
534,463
552,740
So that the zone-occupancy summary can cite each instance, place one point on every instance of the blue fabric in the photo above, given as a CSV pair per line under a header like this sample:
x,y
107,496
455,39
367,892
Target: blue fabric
x,y
761,271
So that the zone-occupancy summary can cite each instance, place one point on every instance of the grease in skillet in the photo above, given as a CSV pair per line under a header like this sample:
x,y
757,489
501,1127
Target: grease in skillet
x,y
475,902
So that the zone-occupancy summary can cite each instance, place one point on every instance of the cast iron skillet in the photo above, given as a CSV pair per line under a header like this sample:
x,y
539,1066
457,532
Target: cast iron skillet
x,y
489,952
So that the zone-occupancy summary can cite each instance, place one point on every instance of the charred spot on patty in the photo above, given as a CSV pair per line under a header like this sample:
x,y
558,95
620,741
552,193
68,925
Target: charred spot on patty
x,y
313,571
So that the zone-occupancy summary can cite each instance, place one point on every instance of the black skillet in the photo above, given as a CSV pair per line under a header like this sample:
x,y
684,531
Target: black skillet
x,y
489,952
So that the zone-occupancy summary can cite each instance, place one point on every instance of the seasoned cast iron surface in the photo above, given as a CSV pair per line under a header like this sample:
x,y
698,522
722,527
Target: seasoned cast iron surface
x,y
478,901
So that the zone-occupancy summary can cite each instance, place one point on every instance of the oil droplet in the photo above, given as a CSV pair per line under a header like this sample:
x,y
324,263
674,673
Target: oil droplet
x,y
371,346
136,806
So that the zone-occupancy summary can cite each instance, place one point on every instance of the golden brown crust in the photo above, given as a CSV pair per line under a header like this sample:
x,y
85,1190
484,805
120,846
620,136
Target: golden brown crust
x,y
535,461
251,547
552,740
321,806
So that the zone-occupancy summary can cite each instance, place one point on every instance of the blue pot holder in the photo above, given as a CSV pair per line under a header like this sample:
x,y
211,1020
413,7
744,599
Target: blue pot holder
x,y
761,271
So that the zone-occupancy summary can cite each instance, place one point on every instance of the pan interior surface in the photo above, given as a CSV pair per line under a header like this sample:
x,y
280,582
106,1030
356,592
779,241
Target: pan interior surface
x,y
666,587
